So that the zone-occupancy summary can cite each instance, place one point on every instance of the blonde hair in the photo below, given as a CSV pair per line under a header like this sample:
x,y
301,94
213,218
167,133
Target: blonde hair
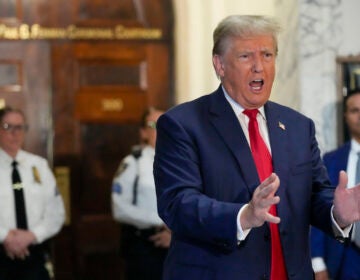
x,y
243,26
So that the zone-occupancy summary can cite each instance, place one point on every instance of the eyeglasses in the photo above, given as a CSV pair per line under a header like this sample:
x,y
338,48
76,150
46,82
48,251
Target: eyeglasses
x,y
14,127
151,124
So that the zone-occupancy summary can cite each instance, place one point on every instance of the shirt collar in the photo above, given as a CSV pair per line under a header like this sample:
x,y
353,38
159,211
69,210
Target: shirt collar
x,y
355,146
238,109
149,150
8,159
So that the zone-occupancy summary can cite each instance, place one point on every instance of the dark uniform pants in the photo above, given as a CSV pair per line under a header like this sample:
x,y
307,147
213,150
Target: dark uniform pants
x,y
31,268
143,260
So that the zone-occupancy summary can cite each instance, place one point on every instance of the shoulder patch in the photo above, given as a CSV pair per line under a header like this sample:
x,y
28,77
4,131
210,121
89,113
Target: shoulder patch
x,y
57,192
116,188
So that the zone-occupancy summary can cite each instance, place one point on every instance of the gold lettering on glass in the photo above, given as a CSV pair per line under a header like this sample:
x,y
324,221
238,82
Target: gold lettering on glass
x,y
73,32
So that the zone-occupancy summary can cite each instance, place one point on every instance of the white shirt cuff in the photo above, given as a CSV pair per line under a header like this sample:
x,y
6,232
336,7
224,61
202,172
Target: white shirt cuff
x,y
318,264
241,234
345,233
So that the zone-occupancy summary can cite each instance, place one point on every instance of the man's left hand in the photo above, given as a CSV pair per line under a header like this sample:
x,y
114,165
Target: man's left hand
x,y
346,202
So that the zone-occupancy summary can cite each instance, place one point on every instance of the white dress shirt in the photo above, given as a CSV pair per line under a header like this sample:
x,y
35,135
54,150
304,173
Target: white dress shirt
x,y
144,214
351,165
44,206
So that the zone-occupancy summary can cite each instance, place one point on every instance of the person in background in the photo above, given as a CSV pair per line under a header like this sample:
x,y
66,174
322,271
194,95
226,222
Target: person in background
x,y
239,178
32,209
145,237
331,259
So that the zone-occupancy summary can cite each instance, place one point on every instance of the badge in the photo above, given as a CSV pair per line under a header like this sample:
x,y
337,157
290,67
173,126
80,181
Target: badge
x,y
36,175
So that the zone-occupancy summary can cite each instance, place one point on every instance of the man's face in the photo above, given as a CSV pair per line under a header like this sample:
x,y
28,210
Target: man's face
x,y
12,132
352,115
247,69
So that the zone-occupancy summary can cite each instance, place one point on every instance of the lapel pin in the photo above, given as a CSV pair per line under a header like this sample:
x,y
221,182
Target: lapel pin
x,y
281,125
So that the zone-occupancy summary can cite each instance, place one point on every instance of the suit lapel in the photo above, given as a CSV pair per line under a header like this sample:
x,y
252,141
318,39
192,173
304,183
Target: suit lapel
x,y
228,127
339,162
344,156
279,150
278,139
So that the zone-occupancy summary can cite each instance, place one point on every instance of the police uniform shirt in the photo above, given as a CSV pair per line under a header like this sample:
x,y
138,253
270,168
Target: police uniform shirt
x,y
44,206
144,214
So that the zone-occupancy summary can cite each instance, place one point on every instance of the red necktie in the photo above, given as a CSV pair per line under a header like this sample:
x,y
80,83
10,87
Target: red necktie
x,y
264,168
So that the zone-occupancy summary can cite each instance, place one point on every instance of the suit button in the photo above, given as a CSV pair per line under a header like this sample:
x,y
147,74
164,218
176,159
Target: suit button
x,y
222,244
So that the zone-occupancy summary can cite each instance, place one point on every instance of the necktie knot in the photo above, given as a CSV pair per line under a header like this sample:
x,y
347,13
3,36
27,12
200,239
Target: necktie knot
x,y
251,113
14,163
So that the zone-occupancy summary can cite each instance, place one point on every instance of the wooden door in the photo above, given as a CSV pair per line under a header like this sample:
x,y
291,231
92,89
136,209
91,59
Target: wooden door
x,y
97,115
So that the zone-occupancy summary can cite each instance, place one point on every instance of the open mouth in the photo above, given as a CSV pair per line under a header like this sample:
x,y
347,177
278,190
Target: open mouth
x,y
256,85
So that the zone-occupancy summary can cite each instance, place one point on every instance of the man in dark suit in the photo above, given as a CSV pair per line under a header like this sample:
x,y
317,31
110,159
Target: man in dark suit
x,y
211,188
331,259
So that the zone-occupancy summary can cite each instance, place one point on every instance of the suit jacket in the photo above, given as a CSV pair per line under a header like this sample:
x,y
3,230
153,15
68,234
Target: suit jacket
x,y
204,173
336,255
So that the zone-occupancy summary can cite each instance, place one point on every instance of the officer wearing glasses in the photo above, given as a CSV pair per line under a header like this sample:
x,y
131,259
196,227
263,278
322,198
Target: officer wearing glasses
x,y
144,235
32,209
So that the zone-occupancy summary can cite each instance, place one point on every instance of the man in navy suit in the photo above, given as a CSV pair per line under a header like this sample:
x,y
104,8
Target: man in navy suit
x,y
208,188
331,259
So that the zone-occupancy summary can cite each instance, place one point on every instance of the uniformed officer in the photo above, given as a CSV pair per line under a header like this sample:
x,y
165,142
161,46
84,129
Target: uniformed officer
x,y
145,238
22,232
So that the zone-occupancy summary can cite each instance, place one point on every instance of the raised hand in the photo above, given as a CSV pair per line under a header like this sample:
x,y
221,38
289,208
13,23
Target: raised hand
x,y
256,213
346,202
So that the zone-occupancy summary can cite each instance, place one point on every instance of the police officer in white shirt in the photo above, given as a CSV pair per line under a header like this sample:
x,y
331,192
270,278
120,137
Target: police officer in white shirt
x,y
145,238
22,252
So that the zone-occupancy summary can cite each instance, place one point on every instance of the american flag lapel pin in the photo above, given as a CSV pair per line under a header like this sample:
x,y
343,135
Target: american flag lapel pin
x,y
281,125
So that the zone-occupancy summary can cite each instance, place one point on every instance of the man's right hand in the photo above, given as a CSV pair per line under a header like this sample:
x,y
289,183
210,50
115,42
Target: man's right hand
x,y
162,238
16,246
256,213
